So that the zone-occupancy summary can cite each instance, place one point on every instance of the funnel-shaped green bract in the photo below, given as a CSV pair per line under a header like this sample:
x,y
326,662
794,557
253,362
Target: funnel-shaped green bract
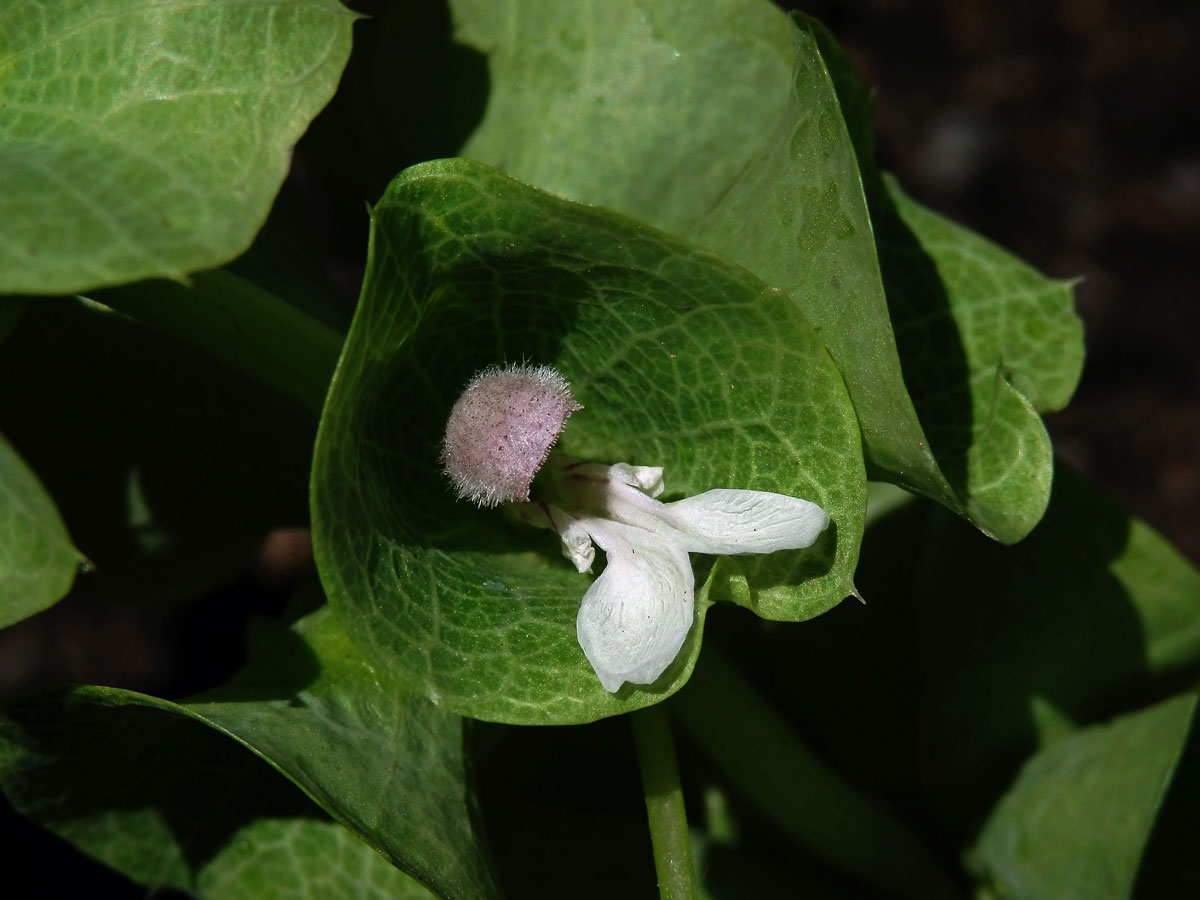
x,y
142,139
679,360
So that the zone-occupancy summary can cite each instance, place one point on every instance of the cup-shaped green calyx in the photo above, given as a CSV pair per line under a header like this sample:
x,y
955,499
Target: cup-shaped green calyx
x,y
501,430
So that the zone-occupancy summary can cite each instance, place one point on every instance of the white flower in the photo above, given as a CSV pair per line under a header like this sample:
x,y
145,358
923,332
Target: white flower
x,y
635,617
637,614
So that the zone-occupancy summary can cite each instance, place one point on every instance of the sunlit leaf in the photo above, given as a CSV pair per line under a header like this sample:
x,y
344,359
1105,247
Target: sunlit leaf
x,y
145,139
651,109
988,344
769,170
796,216
679,359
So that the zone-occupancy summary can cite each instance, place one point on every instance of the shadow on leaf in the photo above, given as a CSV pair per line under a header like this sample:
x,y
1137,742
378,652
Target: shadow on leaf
x,y
931,349
474,315
968,656
74,760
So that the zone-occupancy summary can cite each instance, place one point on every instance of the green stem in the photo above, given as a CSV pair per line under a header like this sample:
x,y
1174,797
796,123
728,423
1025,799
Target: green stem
x,y
768,763
243,326
664,804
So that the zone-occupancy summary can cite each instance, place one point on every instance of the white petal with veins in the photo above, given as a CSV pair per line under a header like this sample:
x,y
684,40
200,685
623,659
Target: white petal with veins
x,y
729,521
637,614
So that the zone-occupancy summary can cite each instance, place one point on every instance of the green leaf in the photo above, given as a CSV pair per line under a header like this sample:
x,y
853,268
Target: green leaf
x,y
1093,605
171,803
770,182
169,469
988,343
387,766
856,99
603,106
797,217
149,139
1169,867
649,109
679,359
37,559
1078,817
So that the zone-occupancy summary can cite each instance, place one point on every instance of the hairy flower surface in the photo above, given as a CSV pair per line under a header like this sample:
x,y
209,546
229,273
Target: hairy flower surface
x,y
501,430
636,616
